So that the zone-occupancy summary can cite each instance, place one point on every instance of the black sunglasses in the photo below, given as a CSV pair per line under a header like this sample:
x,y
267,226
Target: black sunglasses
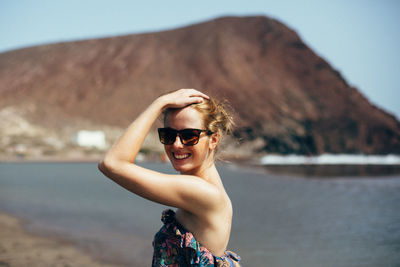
x,y
188,137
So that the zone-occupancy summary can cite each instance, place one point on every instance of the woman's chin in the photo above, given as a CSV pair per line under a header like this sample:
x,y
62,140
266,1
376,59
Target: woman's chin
x,y
182,168
184,165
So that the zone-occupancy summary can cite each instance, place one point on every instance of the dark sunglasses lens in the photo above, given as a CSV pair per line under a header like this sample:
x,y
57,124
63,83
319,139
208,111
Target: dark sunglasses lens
x,y
167,136
190,137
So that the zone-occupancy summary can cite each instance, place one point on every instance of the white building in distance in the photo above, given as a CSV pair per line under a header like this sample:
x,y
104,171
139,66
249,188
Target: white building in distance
x,y
96,139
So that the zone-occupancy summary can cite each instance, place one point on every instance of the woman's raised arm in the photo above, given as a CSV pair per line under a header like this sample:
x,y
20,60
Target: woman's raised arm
x,y
173,190
128,145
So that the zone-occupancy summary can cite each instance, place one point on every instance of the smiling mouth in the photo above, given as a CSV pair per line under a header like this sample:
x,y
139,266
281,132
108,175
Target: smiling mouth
x,y
181,156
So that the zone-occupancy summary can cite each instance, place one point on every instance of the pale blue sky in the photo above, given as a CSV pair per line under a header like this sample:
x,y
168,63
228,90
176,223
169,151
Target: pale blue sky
x,y
360,38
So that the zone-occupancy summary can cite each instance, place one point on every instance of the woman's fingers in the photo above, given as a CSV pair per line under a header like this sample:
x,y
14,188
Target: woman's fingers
x,y
198,99
204,95
196,96
198,93
184,97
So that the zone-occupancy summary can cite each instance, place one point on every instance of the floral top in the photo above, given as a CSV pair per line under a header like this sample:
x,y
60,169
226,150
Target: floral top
x,y
174,246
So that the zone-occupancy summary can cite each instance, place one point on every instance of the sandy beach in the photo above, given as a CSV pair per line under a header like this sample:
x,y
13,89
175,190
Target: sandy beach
x,y
69,214
19,248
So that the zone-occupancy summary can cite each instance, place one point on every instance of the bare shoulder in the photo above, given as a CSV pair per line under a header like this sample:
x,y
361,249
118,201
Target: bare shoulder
x,y
219,212
210,195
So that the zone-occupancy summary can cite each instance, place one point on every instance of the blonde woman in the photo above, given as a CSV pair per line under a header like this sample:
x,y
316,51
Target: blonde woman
x,y
197,233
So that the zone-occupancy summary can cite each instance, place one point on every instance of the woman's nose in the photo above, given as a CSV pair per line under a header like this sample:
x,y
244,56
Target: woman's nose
x,y
178,142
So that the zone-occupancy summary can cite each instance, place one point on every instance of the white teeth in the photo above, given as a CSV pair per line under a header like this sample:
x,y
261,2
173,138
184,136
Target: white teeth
x,y
181,156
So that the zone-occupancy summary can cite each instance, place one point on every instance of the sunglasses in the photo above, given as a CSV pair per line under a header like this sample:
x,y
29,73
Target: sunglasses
x,y
188,137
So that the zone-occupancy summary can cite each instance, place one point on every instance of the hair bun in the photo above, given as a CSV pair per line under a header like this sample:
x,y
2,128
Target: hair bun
x,y
217,115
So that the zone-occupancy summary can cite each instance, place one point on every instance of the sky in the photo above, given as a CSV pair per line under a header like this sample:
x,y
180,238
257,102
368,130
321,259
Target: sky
x,y
359,38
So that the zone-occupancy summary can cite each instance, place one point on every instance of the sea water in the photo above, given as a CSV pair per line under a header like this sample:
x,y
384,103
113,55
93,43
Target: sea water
x,y
279,220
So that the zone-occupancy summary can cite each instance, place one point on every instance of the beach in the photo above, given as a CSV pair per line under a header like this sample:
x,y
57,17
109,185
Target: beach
x,y
19,248
69,214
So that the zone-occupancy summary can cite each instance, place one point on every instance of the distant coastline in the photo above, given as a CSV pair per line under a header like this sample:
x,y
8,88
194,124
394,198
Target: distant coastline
x,y
321,167
331,159
273,159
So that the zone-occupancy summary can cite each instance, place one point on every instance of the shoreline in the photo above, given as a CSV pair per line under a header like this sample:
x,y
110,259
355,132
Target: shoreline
x,y
322,171
21,248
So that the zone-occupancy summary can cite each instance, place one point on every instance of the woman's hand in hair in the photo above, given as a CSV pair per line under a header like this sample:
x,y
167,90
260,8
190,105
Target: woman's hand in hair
x,y
183,97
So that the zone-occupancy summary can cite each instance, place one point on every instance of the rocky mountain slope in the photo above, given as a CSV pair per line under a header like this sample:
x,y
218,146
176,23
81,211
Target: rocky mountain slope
x,y
287,99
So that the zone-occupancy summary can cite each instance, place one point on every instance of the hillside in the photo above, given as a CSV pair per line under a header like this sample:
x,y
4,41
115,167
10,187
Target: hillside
x,y
287,99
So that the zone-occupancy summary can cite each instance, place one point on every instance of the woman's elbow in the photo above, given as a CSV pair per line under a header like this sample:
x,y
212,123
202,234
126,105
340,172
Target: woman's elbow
x,y
106,166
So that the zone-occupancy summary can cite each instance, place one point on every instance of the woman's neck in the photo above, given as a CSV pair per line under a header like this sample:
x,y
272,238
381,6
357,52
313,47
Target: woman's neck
x,y
209,173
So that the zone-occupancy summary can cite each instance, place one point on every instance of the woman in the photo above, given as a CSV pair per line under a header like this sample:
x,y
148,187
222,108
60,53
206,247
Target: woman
x,y
198,233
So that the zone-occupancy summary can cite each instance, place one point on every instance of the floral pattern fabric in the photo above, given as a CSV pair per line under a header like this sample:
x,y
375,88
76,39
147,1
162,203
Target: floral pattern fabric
x,y
174,246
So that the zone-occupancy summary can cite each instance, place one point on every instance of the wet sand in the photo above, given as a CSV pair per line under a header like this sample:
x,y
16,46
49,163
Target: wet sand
x,y
19,248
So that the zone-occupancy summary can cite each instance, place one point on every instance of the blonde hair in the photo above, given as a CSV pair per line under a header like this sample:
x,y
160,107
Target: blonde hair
x,y
217,117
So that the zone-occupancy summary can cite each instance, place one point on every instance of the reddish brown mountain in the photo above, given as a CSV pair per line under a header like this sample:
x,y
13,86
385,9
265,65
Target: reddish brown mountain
x,y
287,98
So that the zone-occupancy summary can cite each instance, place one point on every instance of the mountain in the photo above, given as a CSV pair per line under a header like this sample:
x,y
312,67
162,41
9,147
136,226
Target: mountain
x,y
286,98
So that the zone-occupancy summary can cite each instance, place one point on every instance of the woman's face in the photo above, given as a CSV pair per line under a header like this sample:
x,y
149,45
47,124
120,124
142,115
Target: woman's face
x,y
188,159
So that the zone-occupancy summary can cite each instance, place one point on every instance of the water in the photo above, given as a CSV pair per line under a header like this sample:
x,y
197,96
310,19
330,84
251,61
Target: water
x,y
278,220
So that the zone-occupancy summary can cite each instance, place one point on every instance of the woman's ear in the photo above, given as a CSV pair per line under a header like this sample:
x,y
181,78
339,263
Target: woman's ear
x,y
214,140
